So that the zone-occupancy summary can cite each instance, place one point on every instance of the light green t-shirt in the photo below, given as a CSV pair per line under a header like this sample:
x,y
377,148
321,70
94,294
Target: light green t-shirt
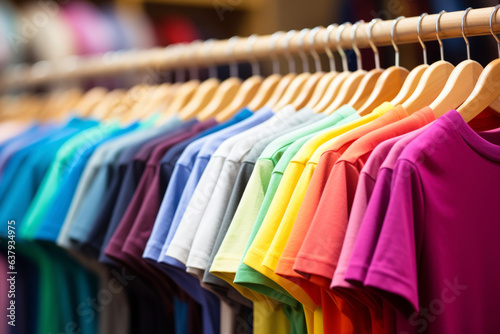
x,y
233,247
246,275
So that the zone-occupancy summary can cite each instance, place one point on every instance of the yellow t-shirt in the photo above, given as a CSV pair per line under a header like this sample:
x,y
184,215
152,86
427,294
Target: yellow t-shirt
x,y
265,250
280,236
257,251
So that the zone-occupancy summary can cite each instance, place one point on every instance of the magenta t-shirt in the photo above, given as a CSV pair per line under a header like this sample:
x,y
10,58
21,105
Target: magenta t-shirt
x,y
438,248
376,195
364,189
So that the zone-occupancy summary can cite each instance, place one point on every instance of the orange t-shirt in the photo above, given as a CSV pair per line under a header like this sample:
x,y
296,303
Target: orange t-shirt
x,y
331,214
312,197
355,316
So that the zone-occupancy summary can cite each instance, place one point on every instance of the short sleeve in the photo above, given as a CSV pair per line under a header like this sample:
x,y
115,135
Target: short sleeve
x,y
321,248
393,270
369,230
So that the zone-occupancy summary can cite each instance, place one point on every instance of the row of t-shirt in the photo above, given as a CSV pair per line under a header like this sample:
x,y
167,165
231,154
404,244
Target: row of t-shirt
x,y
271,222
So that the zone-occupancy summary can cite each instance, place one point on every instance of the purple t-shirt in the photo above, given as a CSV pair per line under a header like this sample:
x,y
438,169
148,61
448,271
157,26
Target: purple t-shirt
x,y
437,252
114,248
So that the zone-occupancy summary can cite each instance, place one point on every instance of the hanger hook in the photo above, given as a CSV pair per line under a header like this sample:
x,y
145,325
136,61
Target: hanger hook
x,y
314,53
180,75
441,49
370,40
170,51
393,30
339,48
355,27
329,52
493,12
274,57
302,35
255,63
233,67
462,28
286,48
419,30
207,46
193,71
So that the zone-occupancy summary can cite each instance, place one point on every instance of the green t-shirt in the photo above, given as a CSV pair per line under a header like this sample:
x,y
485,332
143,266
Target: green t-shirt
x,y
233,247
285,150
51,181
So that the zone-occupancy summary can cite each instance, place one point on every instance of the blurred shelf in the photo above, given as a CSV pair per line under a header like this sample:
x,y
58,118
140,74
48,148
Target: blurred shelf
x,y
222,4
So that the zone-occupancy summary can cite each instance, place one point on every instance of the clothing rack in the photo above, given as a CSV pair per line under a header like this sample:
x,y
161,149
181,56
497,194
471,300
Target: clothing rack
x,y
199,54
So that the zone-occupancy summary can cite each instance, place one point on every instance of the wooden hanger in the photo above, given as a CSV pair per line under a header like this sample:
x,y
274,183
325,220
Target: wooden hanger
x,y
142,107
73,96
121,107
90,99
205,92
165,101
286,80
487,90
369,80
32,107
31,110
161,93
184,94
185,91
265,92
243,96
337,83
307,90
203,95
459,86
226,91
433,80
270,83
223,96
248,88
327,78
350,84
103,107
415,75
295,87
61,103
461,82
390,82
20,107
280,90
310,86
410,84
155,98
283,82
366,86
52,99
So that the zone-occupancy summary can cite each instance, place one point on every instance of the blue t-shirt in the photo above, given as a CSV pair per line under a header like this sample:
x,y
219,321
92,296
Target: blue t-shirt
x,y
25,170
54,217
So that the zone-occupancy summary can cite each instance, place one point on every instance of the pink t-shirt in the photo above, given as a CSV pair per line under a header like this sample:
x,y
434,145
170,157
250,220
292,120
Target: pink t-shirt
x,y
372,192
438,248
364,189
